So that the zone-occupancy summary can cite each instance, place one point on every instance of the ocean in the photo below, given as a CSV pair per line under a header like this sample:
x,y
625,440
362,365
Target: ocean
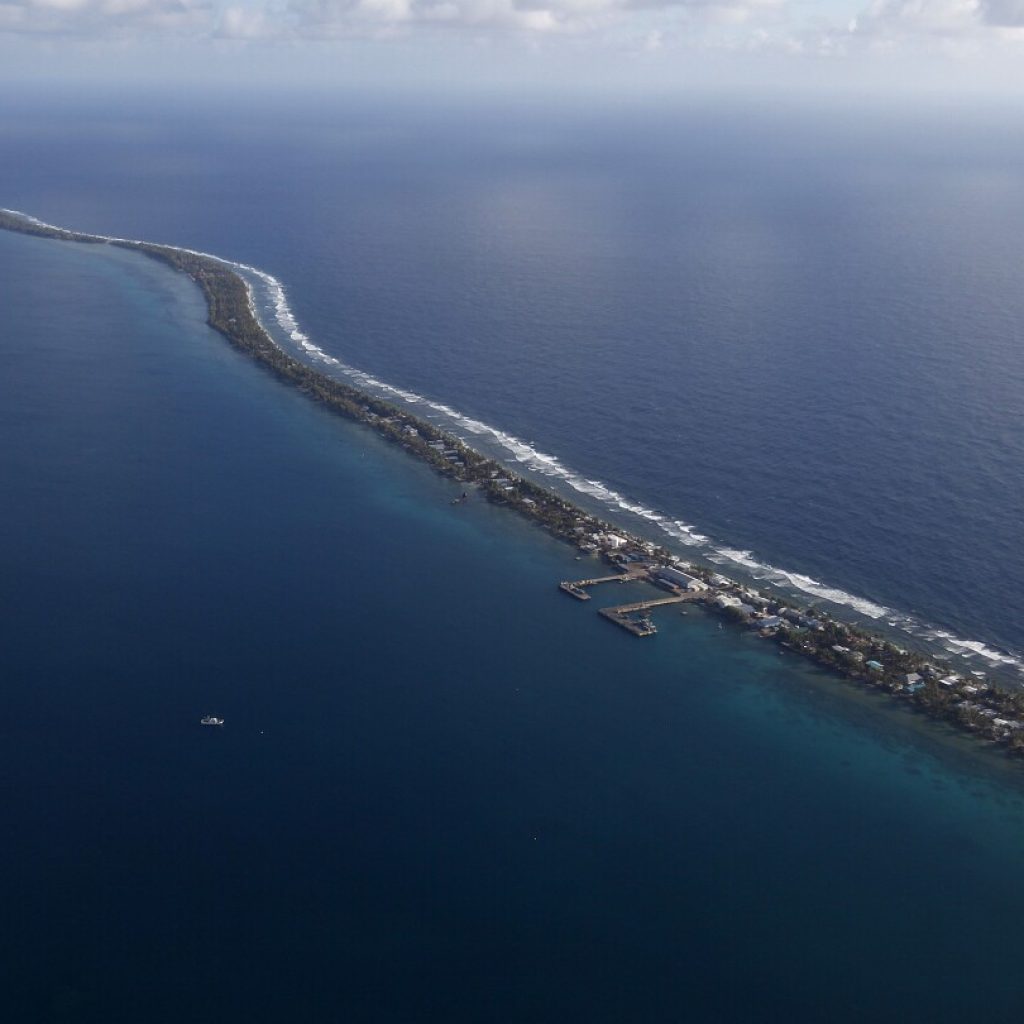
x,y
791,336
444,792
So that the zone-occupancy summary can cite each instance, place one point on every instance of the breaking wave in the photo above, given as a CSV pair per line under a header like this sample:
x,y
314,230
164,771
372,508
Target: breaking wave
x,y
544,464
528,457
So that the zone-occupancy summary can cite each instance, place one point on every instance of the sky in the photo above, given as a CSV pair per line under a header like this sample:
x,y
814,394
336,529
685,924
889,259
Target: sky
x,y
618,46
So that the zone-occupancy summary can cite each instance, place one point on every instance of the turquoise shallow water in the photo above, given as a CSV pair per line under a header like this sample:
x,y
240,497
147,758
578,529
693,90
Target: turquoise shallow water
x,y
444,791
794,330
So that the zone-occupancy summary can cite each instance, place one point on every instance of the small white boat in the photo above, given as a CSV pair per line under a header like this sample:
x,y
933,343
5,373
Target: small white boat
x,y
210,720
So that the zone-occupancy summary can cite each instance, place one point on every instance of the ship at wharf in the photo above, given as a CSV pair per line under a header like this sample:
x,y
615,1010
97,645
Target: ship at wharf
x,y
969,701
635,618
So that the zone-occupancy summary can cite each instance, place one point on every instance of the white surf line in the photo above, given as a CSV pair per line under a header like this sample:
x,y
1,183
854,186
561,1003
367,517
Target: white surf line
x,y
551,466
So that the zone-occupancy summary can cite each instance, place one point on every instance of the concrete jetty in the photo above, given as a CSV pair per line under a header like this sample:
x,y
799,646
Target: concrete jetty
x,y
634,618
638,627
577,588
643,606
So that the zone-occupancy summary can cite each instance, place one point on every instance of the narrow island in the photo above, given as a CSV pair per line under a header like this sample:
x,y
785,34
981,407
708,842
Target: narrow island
x,y
970,703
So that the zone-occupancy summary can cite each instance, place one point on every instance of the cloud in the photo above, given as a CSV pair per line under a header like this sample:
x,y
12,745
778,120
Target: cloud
x,y
325,19
925,19
917,18
319,18
105,17
237,22
1003,13
791,28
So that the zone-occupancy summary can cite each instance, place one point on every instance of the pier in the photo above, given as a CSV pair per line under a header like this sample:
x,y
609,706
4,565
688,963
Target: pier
x,y
634,618
577,588
638,627
995,712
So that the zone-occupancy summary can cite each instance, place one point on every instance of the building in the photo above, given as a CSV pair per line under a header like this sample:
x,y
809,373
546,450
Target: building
x,y
727,601
676,578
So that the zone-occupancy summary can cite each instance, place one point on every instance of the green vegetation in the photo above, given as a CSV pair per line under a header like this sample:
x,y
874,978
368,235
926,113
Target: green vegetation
x,y
970,704
11,221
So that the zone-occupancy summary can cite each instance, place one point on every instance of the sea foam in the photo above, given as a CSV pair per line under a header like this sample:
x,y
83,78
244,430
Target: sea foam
x,y
545,464
530,458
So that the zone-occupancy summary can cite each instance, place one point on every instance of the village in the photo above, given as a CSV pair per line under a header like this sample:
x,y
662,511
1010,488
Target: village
x,y
968,702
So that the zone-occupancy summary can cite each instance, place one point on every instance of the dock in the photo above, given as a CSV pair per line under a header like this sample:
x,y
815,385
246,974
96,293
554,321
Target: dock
x,y
638,627
577,588
634,618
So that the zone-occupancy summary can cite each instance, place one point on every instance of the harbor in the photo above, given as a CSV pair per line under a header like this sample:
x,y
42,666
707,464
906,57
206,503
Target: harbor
x,y
638,625
967,700
635,618
578,588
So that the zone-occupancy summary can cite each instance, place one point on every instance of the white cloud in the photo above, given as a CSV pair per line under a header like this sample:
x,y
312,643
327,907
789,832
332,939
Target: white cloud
x,y
105,17
237,22
986,32
662,31
917,18
1003,13
262,19
923,19
319,18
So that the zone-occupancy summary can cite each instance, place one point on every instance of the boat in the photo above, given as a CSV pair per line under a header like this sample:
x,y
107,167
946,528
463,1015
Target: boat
x,y
210,720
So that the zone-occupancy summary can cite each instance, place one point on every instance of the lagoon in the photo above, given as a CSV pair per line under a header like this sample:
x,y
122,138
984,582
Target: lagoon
x,y
443,791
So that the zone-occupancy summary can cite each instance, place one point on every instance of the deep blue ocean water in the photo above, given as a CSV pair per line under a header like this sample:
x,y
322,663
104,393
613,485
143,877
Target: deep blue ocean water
x,y
797,332
444,792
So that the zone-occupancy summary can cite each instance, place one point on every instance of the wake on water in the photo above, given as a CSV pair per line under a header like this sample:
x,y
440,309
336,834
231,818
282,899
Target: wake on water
x,y
528,457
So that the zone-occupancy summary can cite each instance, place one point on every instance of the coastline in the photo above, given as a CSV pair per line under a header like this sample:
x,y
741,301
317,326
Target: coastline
x,y
977,707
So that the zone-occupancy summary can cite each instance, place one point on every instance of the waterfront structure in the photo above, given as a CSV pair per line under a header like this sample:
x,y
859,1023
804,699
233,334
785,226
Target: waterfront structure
x,y
676,578
834,645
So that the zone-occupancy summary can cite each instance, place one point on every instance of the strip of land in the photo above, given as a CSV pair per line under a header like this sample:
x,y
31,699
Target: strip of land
x,y
973,704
